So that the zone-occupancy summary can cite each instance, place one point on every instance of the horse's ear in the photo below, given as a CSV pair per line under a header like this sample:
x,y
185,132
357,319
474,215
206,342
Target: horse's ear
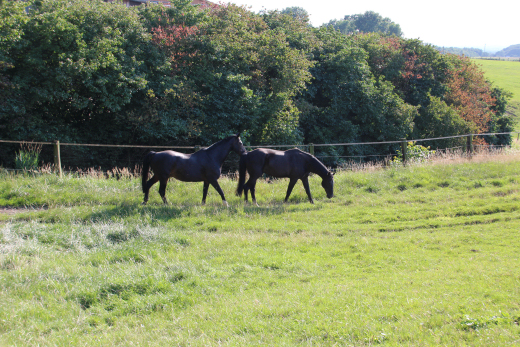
x,y
238,134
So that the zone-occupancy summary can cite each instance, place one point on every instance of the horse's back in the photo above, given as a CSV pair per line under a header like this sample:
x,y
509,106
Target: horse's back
x,y
163,163
281,163
168,157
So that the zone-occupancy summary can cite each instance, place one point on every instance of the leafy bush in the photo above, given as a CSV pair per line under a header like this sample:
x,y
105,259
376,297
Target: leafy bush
x,y
414,153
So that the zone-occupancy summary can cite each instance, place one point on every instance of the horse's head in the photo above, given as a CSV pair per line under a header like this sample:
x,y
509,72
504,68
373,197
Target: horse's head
x,y
238,146
328,184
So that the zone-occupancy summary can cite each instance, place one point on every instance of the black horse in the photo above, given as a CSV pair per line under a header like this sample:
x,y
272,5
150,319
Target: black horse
x,y
204,165
292,163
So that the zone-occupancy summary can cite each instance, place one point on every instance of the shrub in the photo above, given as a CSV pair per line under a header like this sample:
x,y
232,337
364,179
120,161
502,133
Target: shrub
x,y
27,157
415,154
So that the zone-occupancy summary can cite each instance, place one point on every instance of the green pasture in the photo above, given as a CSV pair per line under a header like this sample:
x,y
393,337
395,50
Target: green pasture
x,y
416,256
505,74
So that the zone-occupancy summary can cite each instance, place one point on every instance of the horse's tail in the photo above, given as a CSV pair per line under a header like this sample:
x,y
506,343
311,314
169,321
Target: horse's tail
x,y
146,168
241,174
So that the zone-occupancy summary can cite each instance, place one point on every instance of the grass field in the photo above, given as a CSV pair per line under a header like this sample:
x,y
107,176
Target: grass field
x,y
506,75
419,256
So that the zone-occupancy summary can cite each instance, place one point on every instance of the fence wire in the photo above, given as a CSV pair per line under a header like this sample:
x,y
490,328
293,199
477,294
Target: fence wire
x,y
86,155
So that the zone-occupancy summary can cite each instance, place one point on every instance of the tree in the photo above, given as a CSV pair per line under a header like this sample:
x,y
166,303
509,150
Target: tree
x,y
421,74
347,103
240,73
368,22
437,119
12,21
501,121
77,65
297,13
470,94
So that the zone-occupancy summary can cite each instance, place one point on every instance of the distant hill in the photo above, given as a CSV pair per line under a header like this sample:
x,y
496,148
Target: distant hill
x,y
511,51
468,52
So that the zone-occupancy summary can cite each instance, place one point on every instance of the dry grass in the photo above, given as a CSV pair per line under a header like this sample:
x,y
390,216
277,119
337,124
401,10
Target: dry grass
x,y
452,156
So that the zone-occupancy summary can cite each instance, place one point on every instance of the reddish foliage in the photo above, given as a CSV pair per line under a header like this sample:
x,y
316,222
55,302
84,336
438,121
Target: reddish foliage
x,y
470,94
179,42
412,68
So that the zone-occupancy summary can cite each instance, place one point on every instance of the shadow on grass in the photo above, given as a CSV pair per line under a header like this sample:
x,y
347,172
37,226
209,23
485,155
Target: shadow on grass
x,y
168,212
160,212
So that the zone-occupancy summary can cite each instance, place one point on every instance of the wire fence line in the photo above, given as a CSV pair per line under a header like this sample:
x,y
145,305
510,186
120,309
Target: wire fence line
x,y
124,155
264,146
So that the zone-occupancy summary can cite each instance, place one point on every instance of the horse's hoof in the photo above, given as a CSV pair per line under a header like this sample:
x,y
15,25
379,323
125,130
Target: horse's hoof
x,y
143,203
225,203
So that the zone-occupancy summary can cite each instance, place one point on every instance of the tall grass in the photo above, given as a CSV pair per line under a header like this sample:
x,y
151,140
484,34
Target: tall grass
x,y
28,156
416,255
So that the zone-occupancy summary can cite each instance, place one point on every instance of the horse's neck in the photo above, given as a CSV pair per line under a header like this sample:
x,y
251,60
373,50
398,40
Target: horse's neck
x,y
220,150
316,167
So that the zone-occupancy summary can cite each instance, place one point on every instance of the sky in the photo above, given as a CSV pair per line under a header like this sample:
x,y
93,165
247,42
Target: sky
x,y
490,25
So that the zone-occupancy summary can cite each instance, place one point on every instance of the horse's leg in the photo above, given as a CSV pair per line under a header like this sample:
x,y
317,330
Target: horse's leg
x,y
247,187
162,189
305,181
246,191
215,185
253,187
292,182
148,185
205,192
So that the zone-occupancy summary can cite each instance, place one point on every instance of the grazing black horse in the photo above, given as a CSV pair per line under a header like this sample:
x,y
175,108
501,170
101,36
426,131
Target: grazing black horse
x,y
292,163
204,165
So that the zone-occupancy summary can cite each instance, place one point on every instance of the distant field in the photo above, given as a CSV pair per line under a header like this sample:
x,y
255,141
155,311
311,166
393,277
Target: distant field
x,y
506,75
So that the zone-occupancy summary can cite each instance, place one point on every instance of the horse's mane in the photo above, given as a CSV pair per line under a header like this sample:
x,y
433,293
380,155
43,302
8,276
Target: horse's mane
x,y
317,165
221,141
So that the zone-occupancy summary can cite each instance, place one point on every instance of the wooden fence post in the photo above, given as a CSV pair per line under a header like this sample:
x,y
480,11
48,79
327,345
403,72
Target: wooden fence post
x,y
469,146
311,148
57,157
404,147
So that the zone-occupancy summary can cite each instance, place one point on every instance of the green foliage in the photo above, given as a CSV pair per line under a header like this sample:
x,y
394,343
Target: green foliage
x,y
414,153
438,119
238,74
297,12
500,121
12,21
76,66
347,103
97,72
368,22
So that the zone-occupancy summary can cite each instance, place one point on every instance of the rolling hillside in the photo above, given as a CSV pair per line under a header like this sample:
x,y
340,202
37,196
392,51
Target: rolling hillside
x,y
506,75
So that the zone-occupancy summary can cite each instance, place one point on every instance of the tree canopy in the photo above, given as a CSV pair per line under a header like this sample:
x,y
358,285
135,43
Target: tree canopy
x,y
104,73
368,22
